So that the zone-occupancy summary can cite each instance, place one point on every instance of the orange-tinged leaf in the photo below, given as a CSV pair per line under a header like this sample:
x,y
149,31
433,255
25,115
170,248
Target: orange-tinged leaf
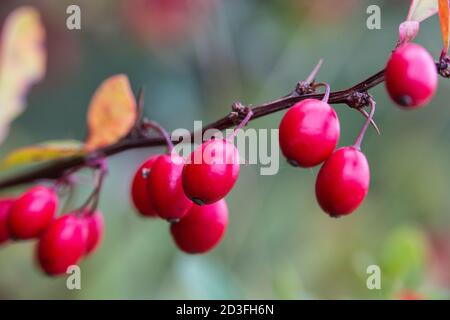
x,y
444,19
22,62
52,150
420,10
112,112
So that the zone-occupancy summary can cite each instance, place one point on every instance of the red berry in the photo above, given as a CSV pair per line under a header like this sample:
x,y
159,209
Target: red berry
x,y
211,172
62,244
165,190
139,194
5,208
202,228
343,181
309,133
94,230
32,212
411,76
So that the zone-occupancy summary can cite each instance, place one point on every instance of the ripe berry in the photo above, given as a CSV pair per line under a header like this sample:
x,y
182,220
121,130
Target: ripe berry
x,y
165,190
94,230
309,133
343,181
139,194
62,244
32,212
5,208
202,228
411,76
211,172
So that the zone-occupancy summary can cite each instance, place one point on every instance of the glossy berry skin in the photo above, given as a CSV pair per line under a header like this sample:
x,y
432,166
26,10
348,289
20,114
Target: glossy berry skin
x,y
62,245
411,76
343,182
211,172
165,190
32,212
5,208
202,229
94,225
139,194
309,133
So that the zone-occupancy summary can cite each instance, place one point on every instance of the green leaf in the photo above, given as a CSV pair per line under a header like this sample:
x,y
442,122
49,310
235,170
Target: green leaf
x,y
51,150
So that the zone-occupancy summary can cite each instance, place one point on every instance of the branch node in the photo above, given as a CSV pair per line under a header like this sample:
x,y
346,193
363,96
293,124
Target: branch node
x,y
305,87
443,66
238,113
359,100
237,107
96,160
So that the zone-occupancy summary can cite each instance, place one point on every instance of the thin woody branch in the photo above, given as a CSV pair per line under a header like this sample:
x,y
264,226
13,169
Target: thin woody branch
x,y
354,97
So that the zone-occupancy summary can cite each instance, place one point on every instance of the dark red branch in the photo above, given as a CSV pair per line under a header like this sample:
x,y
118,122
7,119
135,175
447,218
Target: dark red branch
x,y
56,169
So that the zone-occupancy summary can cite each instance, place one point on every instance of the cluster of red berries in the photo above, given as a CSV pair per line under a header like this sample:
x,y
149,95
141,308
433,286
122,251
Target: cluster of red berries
x,y
62,241
189,193
309,132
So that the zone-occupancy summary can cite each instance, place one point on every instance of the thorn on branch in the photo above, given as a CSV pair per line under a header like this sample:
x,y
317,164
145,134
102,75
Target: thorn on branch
x,y
140,104
372,122
137,130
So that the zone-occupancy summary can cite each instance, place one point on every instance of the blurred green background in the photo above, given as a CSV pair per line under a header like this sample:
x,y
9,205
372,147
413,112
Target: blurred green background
x,y
197,57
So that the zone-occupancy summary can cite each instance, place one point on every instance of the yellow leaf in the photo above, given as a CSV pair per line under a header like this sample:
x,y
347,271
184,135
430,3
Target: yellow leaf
x,y
51,150
22,62
420,10
112,112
